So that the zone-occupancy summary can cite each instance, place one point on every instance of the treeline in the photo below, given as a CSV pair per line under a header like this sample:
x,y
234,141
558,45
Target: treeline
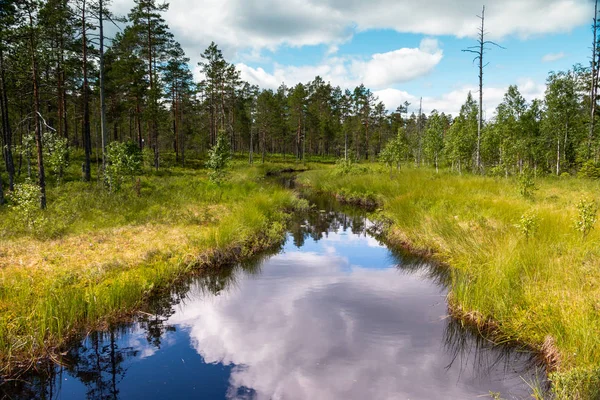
x,y
556,134
64,85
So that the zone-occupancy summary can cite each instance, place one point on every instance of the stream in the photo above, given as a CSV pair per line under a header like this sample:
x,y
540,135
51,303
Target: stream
x,y
331,314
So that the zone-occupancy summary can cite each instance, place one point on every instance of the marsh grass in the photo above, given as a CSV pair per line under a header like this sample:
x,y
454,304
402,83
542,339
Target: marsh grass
x,y
540,288
98,256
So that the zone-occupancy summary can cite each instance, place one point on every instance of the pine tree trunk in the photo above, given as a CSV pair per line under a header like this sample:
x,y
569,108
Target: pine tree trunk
x,y
103,123
87,139
36,113
6,129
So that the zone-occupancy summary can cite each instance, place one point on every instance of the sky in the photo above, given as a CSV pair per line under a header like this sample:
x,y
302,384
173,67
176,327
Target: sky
x,y
403,50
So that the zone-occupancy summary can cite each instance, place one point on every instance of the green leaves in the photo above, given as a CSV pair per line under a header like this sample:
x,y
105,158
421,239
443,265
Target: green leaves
x,y
123,159
394,151
218,159
26,200
587,210
56,154
528,224
526,183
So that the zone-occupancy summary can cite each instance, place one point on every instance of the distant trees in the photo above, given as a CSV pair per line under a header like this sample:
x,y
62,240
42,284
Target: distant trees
x,y
561,117
60,95
433,142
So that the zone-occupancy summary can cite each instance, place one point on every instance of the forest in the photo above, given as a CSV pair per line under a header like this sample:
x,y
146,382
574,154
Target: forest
x,y
123,172
66,88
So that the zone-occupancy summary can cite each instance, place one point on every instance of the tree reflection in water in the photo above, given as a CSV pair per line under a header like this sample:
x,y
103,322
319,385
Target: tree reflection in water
x,y
101,361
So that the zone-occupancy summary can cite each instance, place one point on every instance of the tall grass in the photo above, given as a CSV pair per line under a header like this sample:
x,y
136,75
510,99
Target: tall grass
x,y
543,289
96,257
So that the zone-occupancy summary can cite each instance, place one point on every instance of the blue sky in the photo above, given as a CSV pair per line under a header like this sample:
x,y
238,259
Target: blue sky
x,y
401,49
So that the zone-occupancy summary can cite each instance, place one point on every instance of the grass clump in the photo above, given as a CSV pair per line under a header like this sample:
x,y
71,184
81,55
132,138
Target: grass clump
x,y
98,255
514,260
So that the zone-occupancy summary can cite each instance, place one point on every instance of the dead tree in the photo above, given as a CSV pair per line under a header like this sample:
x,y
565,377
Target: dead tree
x,y
479,50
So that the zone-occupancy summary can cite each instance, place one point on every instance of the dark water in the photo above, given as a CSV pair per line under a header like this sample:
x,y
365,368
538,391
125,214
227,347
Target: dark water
x,y
333,315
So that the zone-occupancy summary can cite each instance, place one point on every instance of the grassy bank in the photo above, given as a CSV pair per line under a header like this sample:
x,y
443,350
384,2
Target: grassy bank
x,y
542,290
93,257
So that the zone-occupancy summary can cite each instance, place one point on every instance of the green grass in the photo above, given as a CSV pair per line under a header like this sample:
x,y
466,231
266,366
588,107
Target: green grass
x,y
95,257
545,289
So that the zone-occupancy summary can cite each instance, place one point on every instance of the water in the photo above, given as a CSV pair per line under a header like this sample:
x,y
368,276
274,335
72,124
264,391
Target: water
x,y
333,314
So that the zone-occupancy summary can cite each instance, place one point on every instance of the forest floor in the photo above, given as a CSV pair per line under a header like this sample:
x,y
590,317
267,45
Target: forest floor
x,y
94,257
542,291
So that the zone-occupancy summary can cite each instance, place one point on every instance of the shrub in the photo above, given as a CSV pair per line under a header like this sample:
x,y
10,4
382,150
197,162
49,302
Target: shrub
x,y
528,224
348,166
343,166
497,171
218,159
587,210
590,170
526,182
26,203
392,153
56,154
122,160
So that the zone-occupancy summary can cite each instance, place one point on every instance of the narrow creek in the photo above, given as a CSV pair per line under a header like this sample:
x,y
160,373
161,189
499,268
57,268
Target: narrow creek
x,y
332,314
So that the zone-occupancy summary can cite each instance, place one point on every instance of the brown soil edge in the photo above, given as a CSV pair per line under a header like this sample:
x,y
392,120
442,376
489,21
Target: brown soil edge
x,y
364,203
209,260
285,171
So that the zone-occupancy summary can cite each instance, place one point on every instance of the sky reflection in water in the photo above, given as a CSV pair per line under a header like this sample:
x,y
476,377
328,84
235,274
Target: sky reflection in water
x,y
334,318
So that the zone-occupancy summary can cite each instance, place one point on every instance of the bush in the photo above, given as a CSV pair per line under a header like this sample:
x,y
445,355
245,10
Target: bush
x,y
347,166
526,182
497,171
528,224
122,160
343,166
218,159
590,170
587,210
56,154
26,204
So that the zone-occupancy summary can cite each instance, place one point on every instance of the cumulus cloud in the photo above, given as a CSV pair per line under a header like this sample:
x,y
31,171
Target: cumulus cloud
x,y
381,70
316,326
450,102
553,57
267,24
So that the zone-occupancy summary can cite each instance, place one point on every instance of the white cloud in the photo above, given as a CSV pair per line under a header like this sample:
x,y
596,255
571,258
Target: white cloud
x,y
315,327
450,102
267,24
553,57
380,71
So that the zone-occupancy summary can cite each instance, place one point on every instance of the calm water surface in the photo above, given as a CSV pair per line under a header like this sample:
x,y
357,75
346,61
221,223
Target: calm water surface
x,y
333,315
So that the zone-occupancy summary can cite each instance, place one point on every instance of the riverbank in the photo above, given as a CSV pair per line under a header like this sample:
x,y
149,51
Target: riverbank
x,y
93,257
541,289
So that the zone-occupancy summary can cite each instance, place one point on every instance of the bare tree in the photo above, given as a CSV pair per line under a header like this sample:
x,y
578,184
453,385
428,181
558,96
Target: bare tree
x,y
479,49
419,132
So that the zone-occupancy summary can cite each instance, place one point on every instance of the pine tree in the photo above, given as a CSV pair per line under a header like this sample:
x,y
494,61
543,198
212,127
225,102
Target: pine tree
x,y
153,39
